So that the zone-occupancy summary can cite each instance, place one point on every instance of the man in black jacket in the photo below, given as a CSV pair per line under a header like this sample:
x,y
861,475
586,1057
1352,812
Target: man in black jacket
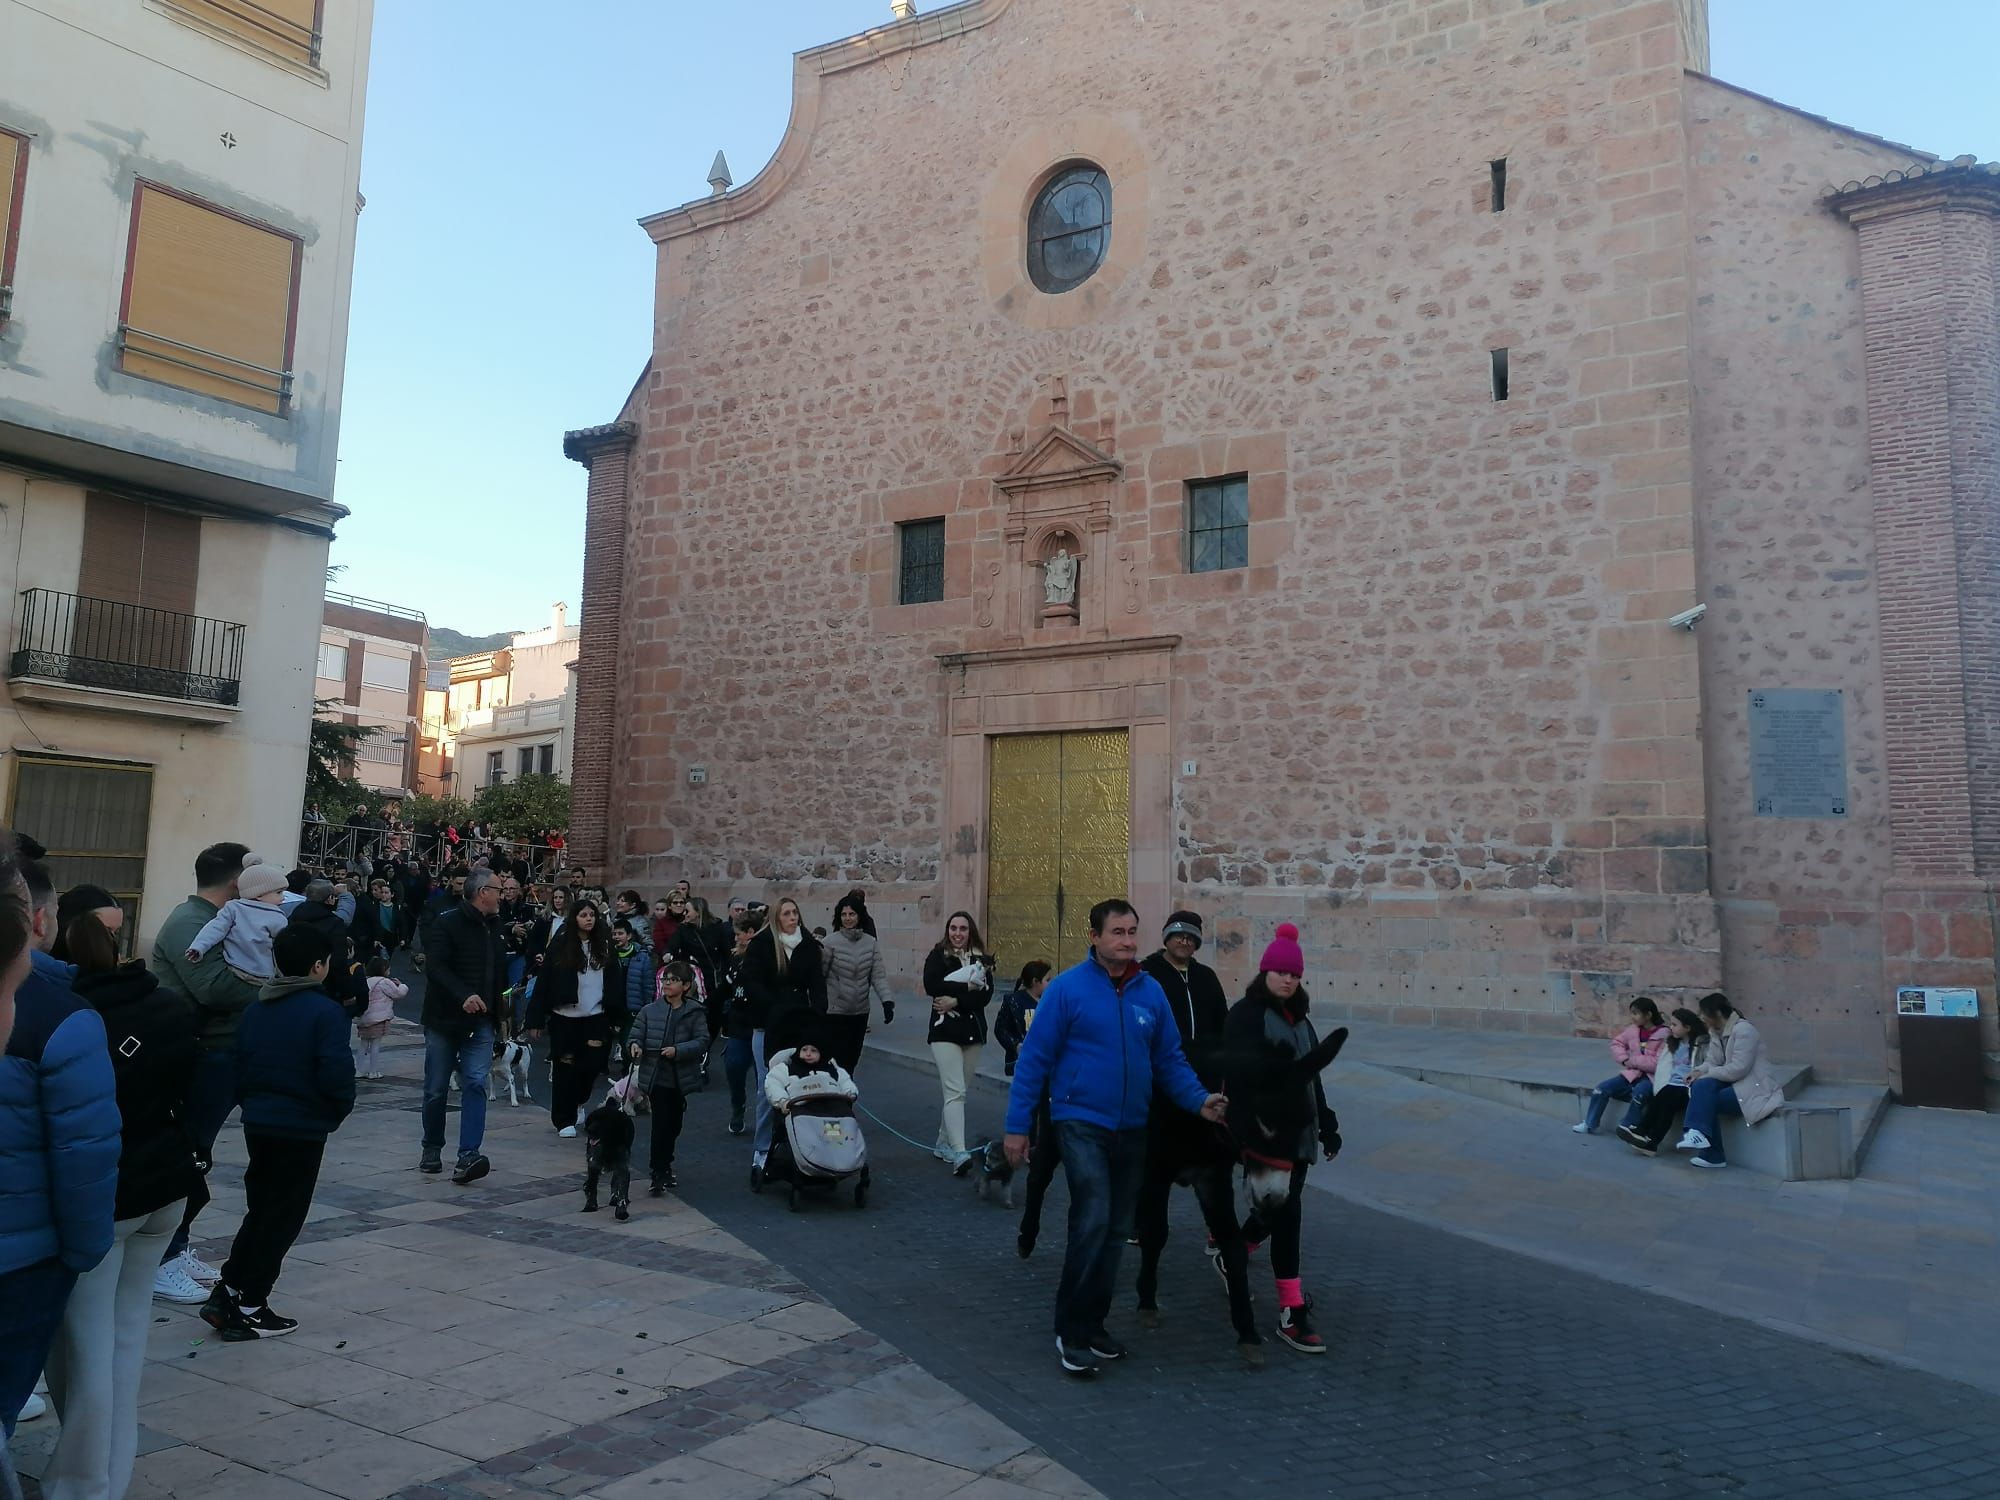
x,y
462,984
347,978
1200,1011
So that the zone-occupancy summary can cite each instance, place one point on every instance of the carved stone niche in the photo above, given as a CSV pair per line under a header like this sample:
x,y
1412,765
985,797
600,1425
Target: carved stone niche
x,y
1059,492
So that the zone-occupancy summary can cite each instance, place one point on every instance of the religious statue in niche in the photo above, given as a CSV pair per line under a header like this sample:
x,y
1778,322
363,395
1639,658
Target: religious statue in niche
x,y
1059,585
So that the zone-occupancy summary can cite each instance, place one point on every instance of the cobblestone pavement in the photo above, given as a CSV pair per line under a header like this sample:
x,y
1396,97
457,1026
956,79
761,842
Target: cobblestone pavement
x,y
1455,1368
494,1342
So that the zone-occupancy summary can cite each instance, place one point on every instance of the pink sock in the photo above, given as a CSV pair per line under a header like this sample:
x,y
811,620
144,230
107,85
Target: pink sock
x,y
1289,1294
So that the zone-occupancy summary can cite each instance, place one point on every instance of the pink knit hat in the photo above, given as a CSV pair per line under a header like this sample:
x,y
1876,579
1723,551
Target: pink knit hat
x,y
1283,956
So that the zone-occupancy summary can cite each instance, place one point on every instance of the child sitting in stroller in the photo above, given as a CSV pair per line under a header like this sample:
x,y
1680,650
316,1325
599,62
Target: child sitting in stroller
x,y
804,1072
819,1144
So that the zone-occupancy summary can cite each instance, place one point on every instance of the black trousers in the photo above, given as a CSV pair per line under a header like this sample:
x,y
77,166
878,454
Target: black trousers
x,y
277,1192
669,1110
844,1035
579,1048
1668,1100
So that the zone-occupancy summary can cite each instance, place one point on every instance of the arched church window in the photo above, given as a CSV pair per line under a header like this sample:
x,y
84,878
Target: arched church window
x,y
1069,228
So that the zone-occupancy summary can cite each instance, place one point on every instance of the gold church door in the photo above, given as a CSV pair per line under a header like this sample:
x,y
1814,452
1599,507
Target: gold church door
x,y
1059,822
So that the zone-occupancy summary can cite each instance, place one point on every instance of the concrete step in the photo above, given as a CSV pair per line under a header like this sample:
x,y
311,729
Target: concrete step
x,y
1821,1133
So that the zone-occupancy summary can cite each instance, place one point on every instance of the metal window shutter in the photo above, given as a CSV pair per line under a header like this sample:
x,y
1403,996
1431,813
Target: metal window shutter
x,y
10,164
114,550
215,284
172,566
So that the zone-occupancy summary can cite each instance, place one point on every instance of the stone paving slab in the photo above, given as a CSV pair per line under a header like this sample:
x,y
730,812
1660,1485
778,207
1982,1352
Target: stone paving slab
x,y
494,1342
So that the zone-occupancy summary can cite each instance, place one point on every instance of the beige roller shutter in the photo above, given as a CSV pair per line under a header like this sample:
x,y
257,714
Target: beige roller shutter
x,y
289,28
209,301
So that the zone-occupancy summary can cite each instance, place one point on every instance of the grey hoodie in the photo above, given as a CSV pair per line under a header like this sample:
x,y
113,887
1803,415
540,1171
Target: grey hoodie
x,y
853,973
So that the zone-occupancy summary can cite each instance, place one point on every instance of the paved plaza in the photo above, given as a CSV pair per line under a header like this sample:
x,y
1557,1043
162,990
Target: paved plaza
x,y
495,1342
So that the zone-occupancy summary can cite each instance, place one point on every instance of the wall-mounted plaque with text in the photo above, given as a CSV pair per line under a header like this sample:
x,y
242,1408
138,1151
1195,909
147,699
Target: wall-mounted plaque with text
x,y
1798,752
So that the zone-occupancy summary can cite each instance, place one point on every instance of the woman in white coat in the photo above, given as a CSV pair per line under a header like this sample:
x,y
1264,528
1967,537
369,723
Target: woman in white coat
x,y
1735,1078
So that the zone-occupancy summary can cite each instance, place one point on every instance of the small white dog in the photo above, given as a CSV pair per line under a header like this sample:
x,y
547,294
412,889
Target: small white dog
x,y
512,1064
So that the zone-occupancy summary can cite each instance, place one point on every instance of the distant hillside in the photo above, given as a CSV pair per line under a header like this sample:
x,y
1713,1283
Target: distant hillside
x,y
447,643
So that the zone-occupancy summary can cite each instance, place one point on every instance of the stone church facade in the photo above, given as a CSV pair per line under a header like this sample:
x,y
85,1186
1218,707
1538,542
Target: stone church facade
x,y
1393,374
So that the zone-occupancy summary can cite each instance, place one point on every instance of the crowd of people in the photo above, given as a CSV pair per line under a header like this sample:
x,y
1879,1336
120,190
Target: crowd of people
x,y
271,991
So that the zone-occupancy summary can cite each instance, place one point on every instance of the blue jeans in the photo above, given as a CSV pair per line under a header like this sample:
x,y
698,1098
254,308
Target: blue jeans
x,y
760,1142
1707,1101
1618,1087
211,1096
472,1056
736,1061
31,1309
1104,1169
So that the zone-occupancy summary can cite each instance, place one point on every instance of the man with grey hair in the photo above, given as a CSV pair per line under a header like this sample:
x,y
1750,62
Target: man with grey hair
x,y
463,980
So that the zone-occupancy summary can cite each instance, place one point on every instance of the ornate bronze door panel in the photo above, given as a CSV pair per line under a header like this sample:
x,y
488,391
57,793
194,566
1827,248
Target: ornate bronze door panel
x,y
1057,841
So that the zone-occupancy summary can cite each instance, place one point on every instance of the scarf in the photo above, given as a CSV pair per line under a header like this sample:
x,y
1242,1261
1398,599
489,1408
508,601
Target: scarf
x,y
792,939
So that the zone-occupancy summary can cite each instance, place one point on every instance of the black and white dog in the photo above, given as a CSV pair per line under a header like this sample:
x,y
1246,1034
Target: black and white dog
x,y
512,1062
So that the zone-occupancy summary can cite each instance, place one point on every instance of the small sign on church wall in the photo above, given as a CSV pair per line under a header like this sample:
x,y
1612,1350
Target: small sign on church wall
x,y
1798,752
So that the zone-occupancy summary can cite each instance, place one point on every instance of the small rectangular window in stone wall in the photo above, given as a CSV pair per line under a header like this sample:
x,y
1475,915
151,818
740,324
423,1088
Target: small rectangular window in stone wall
x,y
920,561
1218,524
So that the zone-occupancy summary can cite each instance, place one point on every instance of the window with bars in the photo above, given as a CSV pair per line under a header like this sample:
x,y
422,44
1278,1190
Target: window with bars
x,y
210,301
1218,524
92,816
920,574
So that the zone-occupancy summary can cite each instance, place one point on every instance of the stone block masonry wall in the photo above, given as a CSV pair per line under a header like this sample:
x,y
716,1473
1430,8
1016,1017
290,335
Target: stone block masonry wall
x,y
1439,719
1788,562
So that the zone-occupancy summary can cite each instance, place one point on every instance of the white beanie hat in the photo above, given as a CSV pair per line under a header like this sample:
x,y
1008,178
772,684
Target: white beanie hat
x,y
259,880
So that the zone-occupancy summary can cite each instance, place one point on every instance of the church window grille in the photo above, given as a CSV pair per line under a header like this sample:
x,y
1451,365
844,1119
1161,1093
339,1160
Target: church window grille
x,y
1218,524
921,564
1069,228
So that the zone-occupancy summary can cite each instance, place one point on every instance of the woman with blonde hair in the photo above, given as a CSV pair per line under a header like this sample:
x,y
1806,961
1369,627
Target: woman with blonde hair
x,y
784,985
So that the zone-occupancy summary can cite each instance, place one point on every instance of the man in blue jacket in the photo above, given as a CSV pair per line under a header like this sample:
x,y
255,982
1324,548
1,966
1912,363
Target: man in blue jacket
x,y
295,1081
1102,1036
59,1142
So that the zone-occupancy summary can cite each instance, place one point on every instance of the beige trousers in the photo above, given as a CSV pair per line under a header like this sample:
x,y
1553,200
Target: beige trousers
x,y
955,1065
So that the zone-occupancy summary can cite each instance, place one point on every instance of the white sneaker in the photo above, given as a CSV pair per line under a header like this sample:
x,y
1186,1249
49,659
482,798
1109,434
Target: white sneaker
x,y
171,1283
568,1132
36,1407
1580,1128
199,1270
1699,1161
1693,1140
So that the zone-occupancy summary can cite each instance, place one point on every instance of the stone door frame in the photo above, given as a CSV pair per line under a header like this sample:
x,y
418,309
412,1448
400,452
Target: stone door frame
x,y
1060,688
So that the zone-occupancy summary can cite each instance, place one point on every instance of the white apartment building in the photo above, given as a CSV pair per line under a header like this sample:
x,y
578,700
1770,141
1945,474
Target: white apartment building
x,y
179,186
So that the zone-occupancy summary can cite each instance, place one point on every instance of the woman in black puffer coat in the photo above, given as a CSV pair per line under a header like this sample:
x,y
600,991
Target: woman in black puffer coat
x,y
784,982
95,1363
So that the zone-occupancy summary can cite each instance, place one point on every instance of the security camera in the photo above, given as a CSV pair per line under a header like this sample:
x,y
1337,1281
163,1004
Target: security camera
x,y
1687,619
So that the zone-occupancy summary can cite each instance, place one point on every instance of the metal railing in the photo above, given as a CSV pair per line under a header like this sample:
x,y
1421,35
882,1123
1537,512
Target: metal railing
x,y
262,379
353,843
375,606
104,644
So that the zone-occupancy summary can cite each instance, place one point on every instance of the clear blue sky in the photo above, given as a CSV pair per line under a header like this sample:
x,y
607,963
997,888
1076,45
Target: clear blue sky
x,y
503,293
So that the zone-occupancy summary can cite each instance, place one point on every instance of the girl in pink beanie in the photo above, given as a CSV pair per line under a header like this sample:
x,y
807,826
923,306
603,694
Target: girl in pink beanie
x,y
1267,1028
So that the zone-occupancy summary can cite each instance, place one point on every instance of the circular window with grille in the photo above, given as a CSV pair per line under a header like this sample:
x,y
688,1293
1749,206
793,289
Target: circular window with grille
x,y
1069,228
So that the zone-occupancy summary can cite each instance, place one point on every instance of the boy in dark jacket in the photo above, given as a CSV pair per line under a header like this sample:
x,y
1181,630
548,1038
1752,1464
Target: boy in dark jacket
x,y
295,1081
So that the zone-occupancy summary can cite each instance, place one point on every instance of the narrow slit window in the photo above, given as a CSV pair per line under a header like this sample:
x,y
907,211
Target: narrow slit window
x,y
1499,169
1499,374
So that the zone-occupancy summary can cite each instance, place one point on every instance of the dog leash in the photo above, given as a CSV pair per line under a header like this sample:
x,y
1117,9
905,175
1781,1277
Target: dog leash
x,y
892,1129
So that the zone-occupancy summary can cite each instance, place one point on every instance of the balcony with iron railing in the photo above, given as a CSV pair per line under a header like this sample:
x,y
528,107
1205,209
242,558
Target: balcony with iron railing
x,y
79,652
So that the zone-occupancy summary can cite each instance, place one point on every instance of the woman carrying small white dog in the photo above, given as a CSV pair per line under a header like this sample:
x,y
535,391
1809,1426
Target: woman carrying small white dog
x,y
958,979
1272,1016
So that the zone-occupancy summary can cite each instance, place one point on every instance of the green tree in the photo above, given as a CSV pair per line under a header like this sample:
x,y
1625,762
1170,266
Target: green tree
x,y
330,742
523,807
428,814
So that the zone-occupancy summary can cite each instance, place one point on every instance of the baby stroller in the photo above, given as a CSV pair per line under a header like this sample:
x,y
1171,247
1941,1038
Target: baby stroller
x,y
820,1147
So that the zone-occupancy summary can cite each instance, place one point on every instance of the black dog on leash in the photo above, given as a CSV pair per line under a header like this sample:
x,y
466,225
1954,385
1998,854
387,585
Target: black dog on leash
x,y
607,1134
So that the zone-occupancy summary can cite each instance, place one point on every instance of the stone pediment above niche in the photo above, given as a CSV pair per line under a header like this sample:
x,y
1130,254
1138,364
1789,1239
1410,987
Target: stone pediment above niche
x,y
1059,459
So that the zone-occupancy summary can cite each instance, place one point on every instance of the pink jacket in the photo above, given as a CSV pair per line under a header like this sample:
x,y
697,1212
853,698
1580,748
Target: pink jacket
x,y
383,993
1637,1052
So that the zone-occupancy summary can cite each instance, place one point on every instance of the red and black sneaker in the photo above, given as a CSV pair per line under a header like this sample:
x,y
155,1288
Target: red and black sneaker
x,y
1295,1328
